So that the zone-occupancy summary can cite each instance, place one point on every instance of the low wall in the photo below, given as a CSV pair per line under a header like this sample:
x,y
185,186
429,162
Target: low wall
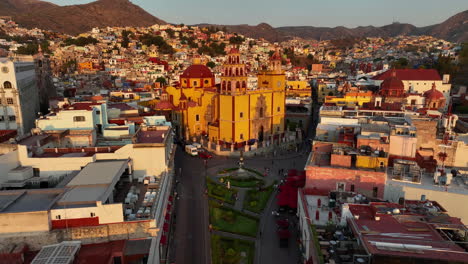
x,y
87,235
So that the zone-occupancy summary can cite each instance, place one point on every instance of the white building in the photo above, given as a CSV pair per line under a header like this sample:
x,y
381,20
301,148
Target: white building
x,y
19,94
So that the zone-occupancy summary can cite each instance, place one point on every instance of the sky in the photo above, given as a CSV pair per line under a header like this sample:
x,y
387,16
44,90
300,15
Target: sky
x,y
326,13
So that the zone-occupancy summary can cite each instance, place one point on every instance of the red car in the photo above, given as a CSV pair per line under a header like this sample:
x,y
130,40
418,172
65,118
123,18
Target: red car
x,y
205,155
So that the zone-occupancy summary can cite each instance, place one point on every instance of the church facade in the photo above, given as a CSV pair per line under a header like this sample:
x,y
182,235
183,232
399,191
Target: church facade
x,y
228,113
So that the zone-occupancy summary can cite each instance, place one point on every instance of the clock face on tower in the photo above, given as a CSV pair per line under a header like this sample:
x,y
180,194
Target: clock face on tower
x,y
279,84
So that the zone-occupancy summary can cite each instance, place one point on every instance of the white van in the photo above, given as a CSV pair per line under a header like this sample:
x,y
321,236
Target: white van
x,y
197,145
191,150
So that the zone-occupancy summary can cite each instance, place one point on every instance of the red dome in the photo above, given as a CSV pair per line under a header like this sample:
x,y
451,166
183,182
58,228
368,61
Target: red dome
x,y
434,94
234,51
197,71
392,83
163,105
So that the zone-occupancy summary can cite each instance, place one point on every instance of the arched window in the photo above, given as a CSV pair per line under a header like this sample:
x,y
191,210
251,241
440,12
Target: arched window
x,y
225,72
238,85
7,85
230,72
242,72
237,71
229,85
224,85
244,85
238,59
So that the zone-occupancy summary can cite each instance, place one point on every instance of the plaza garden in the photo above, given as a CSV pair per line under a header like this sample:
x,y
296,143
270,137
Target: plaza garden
x,y
237,197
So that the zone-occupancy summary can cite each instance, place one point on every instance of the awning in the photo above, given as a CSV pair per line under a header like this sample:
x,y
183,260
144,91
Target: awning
x,y
283,233
163,240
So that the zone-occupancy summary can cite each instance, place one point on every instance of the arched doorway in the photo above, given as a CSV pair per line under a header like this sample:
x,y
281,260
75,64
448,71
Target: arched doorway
x,y
260,134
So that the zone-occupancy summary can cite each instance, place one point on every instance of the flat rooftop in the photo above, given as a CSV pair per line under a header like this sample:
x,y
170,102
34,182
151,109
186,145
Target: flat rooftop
x,y
427,183
84,195
156,134
403,235
28,200
100,173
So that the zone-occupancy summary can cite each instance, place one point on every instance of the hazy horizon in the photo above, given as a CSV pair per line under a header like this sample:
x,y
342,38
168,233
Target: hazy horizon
x,y
300,12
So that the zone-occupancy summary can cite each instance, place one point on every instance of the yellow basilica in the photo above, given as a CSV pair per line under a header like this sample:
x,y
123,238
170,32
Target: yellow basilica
x,y
228,113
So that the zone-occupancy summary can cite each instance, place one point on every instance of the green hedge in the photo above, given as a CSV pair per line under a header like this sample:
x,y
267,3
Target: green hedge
x,y
224,171
228,250
243,183
232,221
256,201
221,192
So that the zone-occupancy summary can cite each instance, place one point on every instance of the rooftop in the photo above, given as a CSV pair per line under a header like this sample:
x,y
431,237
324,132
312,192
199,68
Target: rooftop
x,y
458,184
404,231
99,173
152,134
28,200
411,75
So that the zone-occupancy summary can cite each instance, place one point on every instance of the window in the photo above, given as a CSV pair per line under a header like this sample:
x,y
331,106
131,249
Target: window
x,y
58,217
197,117
12,118
241,136
98,112
352,187
2,118
9,100
79,119
7,85
340,186
279,108
93,214
195,83
260,112
241,114
206,81
375,191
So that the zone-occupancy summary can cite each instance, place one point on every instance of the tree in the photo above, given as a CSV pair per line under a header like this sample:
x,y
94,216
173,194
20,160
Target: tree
x,y
81,41
236,40
170,32
158,41
125,38
211,64
161,80
401,63
33,48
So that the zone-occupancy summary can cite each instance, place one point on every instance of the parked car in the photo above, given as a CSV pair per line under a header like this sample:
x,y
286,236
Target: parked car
x,y
191,150
205,155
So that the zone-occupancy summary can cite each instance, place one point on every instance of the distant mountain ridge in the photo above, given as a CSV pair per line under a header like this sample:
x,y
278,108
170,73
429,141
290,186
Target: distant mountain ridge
x,y
453,29
76,19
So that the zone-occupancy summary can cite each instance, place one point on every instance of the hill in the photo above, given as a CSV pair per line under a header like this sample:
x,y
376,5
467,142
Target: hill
x,y
453,29
75,19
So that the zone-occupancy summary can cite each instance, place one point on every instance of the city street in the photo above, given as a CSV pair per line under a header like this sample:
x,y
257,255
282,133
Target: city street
x,y
191,241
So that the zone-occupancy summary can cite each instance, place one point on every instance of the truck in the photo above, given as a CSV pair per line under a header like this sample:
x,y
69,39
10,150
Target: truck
x,y
191,150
